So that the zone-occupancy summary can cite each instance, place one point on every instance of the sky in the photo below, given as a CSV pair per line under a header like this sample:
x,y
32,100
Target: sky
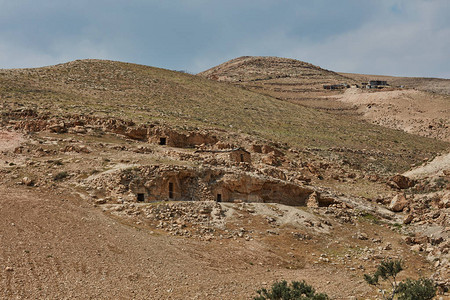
x,y
385,37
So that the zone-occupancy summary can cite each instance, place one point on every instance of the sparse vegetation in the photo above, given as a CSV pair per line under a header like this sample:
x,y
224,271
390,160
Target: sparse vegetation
x,y
421,289
99,124
280,290
145,94
60,176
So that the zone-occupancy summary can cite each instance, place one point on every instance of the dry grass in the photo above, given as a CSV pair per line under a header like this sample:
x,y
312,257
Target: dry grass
x,y
146,94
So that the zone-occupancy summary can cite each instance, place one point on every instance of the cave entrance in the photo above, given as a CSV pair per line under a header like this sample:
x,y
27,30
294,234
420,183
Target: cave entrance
x,y
170,190
141,197
219,197
162,141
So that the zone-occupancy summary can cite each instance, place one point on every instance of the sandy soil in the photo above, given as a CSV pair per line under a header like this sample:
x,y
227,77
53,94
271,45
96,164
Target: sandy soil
x,y
413,111
55,246
9,140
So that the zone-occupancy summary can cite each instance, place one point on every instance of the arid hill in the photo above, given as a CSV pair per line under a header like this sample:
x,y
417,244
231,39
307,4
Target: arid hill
x,y
145,94
286,79
415,105
122,181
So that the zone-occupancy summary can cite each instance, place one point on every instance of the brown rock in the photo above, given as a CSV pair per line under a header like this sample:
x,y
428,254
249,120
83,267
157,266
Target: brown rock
x,y
270,160
398,203
266,149
400,182
445,201
137,133
408,219
78,129
58,128
221,145
256,148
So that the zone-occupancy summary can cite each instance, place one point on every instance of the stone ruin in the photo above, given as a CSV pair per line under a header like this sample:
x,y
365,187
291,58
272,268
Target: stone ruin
x,y
167,183
29,120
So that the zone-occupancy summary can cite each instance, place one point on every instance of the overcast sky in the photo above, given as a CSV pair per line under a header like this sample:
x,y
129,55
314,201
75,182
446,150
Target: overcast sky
x,y
390,37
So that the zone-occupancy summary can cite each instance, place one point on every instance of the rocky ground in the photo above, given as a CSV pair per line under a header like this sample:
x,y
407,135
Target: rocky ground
x,y
72,225
61,230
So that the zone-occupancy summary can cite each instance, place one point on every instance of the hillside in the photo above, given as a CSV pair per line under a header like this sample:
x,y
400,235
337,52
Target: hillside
x,y
123,181
286,79
414,105
145,94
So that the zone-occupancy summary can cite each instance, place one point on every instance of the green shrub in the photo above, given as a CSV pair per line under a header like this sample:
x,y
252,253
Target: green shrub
x,y
422,289
60,176
296,291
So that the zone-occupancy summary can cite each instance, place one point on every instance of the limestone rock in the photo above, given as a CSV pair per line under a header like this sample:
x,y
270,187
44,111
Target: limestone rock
x,y
313,200
398,203
27,181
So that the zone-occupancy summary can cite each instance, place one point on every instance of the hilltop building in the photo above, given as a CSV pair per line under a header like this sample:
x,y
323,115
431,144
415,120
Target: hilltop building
x,y
377,84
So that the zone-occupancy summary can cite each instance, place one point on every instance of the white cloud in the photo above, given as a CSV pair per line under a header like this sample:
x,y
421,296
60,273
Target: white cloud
x,y
393,37
17,56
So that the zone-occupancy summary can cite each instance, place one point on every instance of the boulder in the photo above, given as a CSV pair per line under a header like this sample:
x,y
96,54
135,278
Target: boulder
x,y
398,203
58,128
408,219
400,182
27,181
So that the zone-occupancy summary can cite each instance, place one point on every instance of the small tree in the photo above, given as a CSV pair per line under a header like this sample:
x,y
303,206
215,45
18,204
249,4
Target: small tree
x,y
422,289
296,291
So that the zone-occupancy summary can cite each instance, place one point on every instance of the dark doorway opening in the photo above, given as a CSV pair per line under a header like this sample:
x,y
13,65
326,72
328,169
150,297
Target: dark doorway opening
x,y
242,157
170,190
219,197
140,197
162,141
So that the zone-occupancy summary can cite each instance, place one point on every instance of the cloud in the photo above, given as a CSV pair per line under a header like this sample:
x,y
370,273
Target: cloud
x,y
386,36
